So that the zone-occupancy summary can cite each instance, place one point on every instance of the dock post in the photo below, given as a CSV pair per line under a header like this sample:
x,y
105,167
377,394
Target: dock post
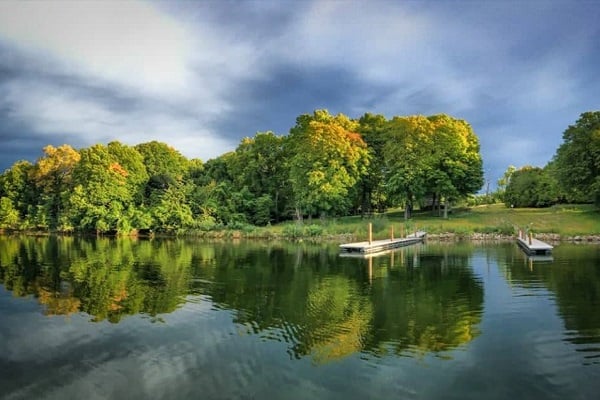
x,y
392,233
530,237
401,231
370,232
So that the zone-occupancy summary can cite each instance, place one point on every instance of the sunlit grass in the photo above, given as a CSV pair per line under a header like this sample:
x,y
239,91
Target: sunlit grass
x,y
565,220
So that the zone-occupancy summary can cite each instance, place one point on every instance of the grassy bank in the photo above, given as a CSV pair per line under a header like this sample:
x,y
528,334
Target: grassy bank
x,y
565,221
562,222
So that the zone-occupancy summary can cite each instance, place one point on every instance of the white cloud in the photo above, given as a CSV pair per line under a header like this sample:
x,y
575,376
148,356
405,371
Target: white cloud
x,y
130,42
87,122
181,75
381,42
184,63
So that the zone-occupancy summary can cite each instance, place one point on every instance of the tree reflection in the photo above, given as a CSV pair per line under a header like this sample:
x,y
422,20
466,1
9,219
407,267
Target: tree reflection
x,y
327,307
575,280
431,302
323,306
105,278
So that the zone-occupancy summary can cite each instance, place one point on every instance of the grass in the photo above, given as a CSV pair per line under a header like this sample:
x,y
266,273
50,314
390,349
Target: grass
x,y
564,220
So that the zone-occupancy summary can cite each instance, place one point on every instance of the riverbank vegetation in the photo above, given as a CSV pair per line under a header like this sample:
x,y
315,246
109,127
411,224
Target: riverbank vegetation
x,y
327,166
326,177
495,221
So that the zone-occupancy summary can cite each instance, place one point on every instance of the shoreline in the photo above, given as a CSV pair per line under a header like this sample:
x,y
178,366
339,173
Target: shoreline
x,y
341,238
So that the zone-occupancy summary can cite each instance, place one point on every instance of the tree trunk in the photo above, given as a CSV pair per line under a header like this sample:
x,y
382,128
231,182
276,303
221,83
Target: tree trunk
x,y
446,209
298,214
407,210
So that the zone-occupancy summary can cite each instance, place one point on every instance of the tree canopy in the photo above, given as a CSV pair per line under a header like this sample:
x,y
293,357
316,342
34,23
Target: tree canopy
x,y
572,176
578,158
328,165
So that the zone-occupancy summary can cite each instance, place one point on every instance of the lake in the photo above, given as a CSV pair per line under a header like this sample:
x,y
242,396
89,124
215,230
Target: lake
x,y
181,319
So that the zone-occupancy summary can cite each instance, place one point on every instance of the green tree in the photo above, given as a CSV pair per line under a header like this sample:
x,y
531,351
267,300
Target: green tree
x,y
259,165
53,177
531,187
371,189
132,162
162,159
327,158
16,184
456,170
436,156
102,199
408,159
214,195
504,181
578,159
9,215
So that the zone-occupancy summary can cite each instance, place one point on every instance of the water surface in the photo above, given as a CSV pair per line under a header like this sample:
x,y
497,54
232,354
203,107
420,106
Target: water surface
x,y
139,319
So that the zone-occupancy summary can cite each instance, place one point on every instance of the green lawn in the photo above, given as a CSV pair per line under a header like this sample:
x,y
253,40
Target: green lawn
x,y
565,220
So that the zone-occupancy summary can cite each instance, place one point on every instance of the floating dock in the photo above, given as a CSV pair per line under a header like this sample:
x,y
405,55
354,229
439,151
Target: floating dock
x,y
532,246
376,246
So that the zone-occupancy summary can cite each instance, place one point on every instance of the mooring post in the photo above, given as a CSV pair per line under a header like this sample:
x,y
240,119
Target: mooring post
x,y
370,232
392,233
530,237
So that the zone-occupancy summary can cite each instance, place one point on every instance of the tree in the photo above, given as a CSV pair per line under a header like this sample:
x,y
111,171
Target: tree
x,y
9,216
457,165
504,181
133,163
408,159
53,177
259,165
212,198
102,199
327,158
437,156
162,159
371,189
16,184
531,187
578,158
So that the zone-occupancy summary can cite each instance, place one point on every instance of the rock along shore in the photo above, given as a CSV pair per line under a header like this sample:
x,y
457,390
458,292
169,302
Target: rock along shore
x,y
548,237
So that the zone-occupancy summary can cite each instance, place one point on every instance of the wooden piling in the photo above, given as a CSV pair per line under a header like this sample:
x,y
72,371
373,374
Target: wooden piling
x,y
370,233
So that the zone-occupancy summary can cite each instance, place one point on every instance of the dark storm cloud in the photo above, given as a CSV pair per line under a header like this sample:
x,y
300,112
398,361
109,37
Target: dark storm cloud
x,y
21,141
216,71
246,20
292,90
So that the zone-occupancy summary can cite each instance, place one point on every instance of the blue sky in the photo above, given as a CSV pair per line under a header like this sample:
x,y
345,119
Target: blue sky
x,y
201,75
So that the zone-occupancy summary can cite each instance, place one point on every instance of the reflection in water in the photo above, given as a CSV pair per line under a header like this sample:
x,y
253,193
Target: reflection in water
x,y
431,303
575,282
273,320
105,278
327,308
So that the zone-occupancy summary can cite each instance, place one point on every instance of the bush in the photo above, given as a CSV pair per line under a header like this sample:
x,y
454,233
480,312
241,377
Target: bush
x,y
292,230
313,230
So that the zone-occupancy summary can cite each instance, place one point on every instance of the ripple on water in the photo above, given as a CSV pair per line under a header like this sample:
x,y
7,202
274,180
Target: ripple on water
x,y
587,345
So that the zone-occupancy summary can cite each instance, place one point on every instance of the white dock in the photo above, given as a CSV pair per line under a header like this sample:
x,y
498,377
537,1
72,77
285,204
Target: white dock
x,y
533,246
376,246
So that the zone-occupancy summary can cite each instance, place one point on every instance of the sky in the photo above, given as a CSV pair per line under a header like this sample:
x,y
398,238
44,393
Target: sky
x,y
202,75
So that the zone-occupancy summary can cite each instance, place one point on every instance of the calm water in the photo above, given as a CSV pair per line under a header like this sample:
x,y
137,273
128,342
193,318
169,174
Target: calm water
x,y
127,319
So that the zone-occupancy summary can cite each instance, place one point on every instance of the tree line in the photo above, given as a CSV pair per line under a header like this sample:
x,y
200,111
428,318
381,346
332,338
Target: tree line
x,y
571,176
328,165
